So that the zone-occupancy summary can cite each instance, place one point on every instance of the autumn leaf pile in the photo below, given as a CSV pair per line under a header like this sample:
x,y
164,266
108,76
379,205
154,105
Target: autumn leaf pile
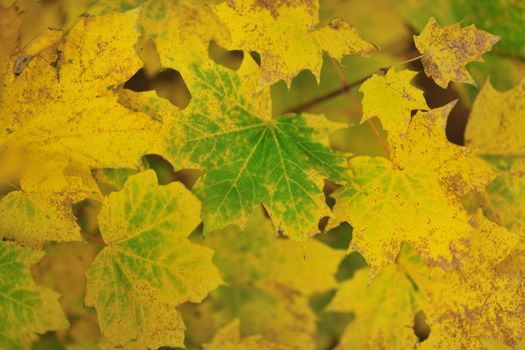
x,y
275,235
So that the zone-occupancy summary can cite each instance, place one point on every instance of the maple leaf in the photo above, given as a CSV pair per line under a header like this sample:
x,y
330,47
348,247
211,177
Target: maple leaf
x,y
25,307
446,51
481,299
494,131
278,314
41,210
384,310
63,268
229,338
63,102
185,28
270,281
415,197
496,122
485,298
392,98
255,256
286,36
149,263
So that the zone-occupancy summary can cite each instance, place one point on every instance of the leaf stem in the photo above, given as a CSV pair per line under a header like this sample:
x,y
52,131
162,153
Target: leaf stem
x,y
418,57
18,188
92,238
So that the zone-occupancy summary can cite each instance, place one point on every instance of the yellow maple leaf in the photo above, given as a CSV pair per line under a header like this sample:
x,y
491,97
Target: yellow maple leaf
x,y
415,197
496,123
481,299
229,338
63,103
181,32
485,298
286,36
392,98
447,50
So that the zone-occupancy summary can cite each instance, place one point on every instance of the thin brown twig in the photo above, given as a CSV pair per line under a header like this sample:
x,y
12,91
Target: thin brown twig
x,y
344,88
325,97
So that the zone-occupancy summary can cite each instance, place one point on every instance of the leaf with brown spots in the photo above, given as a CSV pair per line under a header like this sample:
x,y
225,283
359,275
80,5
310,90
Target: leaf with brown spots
x,y
42,208
484,297
63,103
287,36
447,50
415,197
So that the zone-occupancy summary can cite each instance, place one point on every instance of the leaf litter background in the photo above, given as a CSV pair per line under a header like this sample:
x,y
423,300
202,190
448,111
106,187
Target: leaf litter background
x,y
275,293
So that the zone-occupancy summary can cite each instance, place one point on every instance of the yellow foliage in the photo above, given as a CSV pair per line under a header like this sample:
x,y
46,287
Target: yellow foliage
x,y
392,98
286,37
414,198
496,124
229,338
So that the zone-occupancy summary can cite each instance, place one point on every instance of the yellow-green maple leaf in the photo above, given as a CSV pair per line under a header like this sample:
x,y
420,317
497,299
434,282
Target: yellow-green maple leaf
x,y
148,267
287,37
276,161
229,338
270,281
41,210
392,98
26,308
63,102
384,310
414,198
495,131
446,51
256,256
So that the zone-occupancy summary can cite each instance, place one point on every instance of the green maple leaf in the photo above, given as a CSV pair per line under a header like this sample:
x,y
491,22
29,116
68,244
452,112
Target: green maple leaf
x,y
25,307
149,267
248,157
